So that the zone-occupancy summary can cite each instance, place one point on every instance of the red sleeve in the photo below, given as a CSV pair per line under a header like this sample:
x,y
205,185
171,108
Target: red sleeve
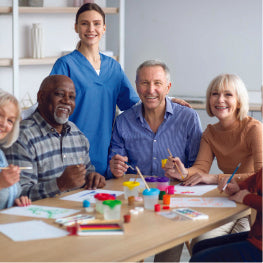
x,y
249,184
254,185
254,201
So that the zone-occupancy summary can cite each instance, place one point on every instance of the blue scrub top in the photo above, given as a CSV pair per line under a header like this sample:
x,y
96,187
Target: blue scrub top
x,y
96,100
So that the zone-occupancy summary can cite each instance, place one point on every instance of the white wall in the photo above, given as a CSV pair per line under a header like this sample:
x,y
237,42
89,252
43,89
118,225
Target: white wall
x,y
58,36
198,39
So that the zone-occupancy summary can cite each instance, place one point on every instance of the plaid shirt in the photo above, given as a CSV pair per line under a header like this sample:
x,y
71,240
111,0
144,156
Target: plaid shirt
x,y
49,153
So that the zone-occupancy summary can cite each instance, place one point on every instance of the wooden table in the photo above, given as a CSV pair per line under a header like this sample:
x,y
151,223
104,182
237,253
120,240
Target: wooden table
x,y
147,234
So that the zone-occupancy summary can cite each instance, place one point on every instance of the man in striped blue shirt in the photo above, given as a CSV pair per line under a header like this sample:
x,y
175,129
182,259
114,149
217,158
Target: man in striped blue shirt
x,y
142,134
54,147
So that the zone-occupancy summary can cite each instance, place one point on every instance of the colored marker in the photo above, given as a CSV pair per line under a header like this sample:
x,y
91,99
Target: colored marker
x,y
230,178
90,193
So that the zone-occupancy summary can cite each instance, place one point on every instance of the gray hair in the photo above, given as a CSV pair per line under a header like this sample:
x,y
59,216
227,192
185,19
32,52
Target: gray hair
x,y
6,97
153,63
224,80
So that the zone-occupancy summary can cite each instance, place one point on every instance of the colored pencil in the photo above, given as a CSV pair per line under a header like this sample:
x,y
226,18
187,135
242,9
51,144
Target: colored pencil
x,y
230,178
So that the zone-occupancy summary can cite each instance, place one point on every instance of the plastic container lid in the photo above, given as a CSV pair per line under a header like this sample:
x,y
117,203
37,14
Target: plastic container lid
x,y
104,196
112,203
157,207
164,161
131,184
150,179
162,179
162,193
152,191
86,203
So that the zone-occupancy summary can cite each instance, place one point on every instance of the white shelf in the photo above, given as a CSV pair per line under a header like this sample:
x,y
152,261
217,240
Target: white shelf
x,y
7,62
52,10
15,11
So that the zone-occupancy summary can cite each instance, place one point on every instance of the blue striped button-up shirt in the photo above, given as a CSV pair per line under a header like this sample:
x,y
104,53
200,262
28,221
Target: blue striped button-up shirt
x,y
48,153
180,131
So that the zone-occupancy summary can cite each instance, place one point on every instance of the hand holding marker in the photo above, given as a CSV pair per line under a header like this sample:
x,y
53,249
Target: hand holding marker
x,y
230,178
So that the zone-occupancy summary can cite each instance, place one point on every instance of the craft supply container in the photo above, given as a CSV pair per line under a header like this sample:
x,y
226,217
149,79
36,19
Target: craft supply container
x,y
99,200
112,209
170,190
151,181
162,183
131,188
150,198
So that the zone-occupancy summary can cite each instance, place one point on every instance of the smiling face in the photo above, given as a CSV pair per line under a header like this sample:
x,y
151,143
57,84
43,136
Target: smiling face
x,y
152,87
224,103
8,116
90,27
57,100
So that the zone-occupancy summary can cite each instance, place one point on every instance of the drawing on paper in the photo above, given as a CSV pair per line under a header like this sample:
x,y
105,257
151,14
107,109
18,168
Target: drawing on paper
x,y
40,211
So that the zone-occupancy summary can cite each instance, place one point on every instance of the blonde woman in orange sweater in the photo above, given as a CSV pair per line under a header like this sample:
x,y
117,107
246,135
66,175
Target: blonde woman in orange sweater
x,y
235,138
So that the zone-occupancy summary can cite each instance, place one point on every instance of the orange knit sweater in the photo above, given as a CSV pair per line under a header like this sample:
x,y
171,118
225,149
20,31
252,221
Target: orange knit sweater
x,y
240,143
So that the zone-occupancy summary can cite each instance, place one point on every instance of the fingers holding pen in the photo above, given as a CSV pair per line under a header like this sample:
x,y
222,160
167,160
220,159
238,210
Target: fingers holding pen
x,y
118,165
95,180
72,177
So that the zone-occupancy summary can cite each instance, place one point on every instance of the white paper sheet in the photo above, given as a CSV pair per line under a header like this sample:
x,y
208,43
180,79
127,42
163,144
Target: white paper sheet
x,y
201,202
31,230
89,195
40,211
193,190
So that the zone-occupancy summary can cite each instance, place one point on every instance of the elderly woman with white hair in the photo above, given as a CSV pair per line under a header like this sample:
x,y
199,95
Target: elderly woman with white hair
x,y
9,174
236,138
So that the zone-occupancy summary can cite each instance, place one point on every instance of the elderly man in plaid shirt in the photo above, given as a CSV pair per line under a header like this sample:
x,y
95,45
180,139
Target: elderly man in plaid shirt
x,y
54,147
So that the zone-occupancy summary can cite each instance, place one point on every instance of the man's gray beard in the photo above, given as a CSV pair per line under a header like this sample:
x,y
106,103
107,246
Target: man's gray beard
x,y
60,120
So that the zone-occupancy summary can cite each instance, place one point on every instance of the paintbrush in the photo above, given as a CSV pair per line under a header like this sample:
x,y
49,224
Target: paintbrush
x,y
177,167
139,172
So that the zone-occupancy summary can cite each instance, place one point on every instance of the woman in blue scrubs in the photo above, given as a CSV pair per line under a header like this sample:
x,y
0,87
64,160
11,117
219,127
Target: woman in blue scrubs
x,y
100,84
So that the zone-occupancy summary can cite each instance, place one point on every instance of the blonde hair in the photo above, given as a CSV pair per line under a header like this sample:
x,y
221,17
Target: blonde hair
x,y
221,82
6,97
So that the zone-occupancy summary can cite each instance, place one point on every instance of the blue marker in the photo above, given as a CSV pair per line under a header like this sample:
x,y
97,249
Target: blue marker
x,y
230,178
89,193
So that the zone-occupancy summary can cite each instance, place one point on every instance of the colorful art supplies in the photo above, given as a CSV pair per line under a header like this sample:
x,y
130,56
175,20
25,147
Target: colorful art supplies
x,y
230,178
151,181
139,172
166,199
112,209
190,213
130,166
97,228
131,188
162,183
150,198
87,207
71,220
176,164
164,161
170,190
99,200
